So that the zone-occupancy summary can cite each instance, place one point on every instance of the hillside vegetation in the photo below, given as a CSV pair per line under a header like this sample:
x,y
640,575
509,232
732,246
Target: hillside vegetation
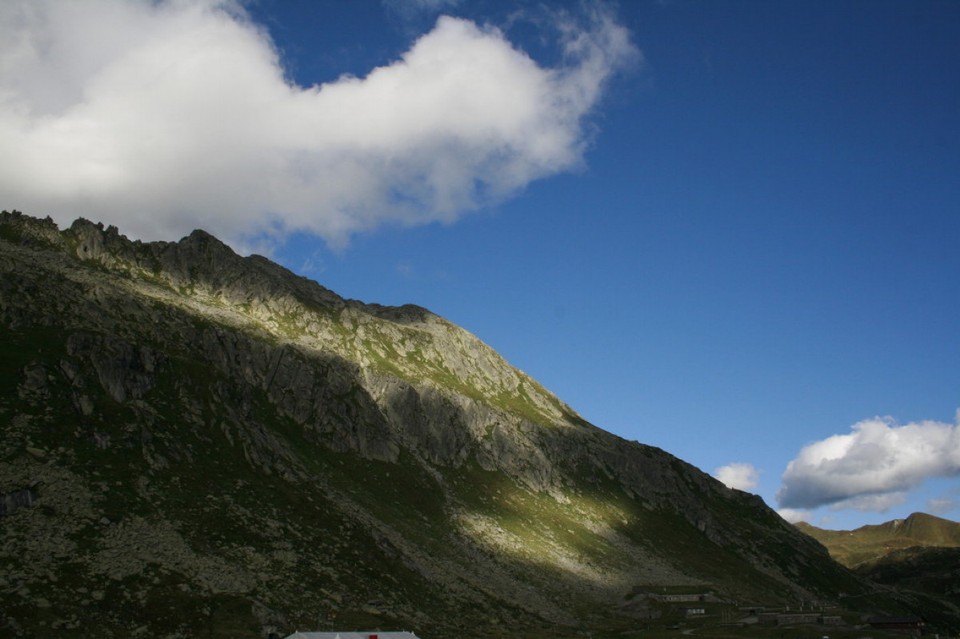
x,y
869,544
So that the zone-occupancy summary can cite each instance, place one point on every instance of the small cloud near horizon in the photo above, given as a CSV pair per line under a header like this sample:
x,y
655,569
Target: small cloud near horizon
x,y
871,503
738,475
162,117
941,506
872,468
795,516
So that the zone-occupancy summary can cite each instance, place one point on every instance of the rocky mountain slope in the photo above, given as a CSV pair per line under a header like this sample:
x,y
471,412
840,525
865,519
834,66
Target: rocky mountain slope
x,y
200,444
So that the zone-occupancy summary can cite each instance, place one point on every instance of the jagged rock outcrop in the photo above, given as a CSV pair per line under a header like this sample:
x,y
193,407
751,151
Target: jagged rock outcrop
x,y
16,499
220,436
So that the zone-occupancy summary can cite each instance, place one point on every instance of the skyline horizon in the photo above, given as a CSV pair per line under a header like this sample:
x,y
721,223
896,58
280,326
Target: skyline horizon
x,y
722,229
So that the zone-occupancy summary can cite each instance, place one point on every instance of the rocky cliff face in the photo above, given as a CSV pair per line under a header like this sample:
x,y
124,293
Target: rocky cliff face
x,y
211,444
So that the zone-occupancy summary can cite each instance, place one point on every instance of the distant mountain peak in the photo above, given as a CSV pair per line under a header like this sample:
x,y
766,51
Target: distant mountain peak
x,y
869,543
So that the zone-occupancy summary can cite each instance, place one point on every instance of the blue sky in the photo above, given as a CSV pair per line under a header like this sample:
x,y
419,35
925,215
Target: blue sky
x,y
726,229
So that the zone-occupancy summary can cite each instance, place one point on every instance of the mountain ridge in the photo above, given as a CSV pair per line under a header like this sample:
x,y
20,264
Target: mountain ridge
x,y
870,543
216,435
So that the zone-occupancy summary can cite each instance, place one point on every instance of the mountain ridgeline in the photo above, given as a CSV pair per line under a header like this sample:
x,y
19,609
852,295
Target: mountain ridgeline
x,y
201,444
870,544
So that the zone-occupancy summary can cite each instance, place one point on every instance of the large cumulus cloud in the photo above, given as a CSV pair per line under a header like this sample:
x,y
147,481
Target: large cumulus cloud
x,y
871,467
164,116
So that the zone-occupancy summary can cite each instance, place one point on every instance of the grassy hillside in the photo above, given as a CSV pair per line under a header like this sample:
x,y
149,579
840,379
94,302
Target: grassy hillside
x,y
868,544
917,557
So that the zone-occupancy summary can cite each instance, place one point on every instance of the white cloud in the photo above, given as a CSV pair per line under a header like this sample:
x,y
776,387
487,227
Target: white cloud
x,y
313,264
793,516
871,503
870,467
941,506
408,6
738,475
165,116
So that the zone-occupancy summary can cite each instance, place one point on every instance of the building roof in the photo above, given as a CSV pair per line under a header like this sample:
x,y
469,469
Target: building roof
x,y
363,634
895,620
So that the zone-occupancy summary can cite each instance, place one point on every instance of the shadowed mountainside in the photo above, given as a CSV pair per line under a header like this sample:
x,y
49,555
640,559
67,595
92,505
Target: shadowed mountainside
x,y
200,444
918,556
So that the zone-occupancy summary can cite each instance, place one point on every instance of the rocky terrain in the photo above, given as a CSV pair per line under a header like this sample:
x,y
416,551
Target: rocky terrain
x,y
196,443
